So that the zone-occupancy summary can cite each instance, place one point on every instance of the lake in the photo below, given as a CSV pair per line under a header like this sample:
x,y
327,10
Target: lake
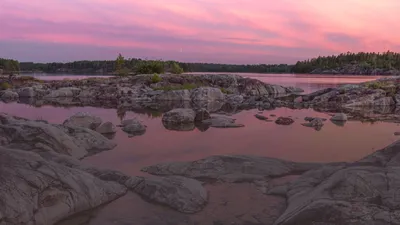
x,y
295,142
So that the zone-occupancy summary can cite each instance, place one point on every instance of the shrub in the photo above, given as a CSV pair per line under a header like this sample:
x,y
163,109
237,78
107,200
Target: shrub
x,y
149,67
225,91
176,69
123,72
4,86
156,78
374,85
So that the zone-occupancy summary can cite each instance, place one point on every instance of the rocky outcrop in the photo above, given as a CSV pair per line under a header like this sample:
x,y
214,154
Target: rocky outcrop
x,y
64,92
207,94
180,193
27,92
83,119
23,134
36,191
8,95
175,95
177,116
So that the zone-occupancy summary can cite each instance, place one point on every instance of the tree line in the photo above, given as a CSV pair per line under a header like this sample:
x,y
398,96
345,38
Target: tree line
x,y
366,61
124,66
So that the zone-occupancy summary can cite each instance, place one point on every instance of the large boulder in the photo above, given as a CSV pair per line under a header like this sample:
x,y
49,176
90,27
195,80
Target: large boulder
x,y
133,127
23,134
339,117
64,92
9,95
106,128
26,92
180,193
36,191
83,119
177,116
207,94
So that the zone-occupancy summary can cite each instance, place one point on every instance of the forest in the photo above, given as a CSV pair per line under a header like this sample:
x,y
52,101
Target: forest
x,y
387,63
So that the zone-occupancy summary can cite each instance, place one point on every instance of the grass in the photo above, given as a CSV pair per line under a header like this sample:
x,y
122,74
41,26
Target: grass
x,y
177,87
5,86
225,91
156,78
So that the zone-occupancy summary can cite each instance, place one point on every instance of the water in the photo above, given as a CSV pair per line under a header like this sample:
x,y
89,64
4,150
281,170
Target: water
x,y
294,142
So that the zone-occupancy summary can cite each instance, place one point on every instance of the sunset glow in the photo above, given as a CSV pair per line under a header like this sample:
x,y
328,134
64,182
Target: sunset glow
x,y
223,31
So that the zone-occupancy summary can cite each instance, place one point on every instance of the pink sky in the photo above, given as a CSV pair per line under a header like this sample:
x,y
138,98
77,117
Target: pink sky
x,y
220,31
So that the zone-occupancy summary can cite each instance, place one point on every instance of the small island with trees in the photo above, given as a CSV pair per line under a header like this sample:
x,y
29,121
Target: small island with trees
x,y
362,63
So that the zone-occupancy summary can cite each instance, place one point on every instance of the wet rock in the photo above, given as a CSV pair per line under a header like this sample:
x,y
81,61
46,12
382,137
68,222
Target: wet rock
x,y
284,121
231,168
106,128
397,99
294,90
34,190
202,114
261,117
177,116
26,92
234,99
222,122
309,119
316,123
64,92
397,133
9,95
180,193
339,117
207,94
179,126
26,134
83,119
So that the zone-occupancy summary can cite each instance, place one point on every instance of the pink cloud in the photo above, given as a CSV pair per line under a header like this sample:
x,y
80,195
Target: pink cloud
x,y
258,30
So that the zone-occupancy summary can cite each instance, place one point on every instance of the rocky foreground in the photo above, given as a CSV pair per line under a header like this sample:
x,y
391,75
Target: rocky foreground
x,y
43,181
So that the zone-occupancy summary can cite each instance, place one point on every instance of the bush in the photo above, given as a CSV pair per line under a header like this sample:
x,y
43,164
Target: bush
x,y
149,67
176,69
225,91
375,85
4,86
156,78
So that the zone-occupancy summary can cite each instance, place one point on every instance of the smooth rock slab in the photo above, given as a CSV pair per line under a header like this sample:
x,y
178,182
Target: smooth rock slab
x,y
180,193
222,122
36,191
231,168
106,128
83,119
205,94
179,116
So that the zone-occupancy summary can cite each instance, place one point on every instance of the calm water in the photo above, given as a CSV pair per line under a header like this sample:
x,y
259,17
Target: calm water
x,y
295,142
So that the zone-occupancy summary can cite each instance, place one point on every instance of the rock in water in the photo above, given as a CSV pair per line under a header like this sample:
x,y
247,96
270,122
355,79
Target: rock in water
x,y
177,116
222,122
180,193
77,142
207,94
261,117
309,119
106,128
26,92
36,191
8,95
339,117
316,123
284,121
133,126
202,114
83,119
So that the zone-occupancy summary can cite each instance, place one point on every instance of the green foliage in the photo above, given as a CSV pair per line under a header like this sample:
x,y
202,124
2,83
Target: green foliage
x,y
123,72
176,69
185,86
149,67
225,91
366,61
9,65
156,78
119,62
4,86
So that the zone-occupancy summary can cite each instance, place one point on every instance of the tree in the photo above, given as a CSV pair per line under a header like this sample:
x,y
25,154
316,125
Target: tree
x,y
119,62
176,69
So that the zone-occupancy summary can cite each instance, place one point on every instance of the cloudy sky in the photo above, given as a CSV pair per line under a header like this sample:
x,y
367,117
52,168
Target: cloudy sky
x,y
222,31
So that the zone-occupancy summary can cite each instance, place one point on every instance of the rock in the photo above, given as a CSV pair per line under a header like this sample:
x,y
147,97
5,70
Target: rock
x,y
202,114
311,96
397,99
176,116
309,119
26,92
386,101
9,95
272,115
397,133
37,191
234,99
298,99
261,117
106,128
284,121
294,90
222,122
231,168
207,94
133,126
83,119
175,95
180,193
179,126
77,142
315,123
64,92
339,117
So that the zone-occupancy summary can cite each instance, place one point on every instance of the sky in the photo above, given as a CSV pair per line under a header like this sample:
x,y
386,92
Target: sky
x,y
217,31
